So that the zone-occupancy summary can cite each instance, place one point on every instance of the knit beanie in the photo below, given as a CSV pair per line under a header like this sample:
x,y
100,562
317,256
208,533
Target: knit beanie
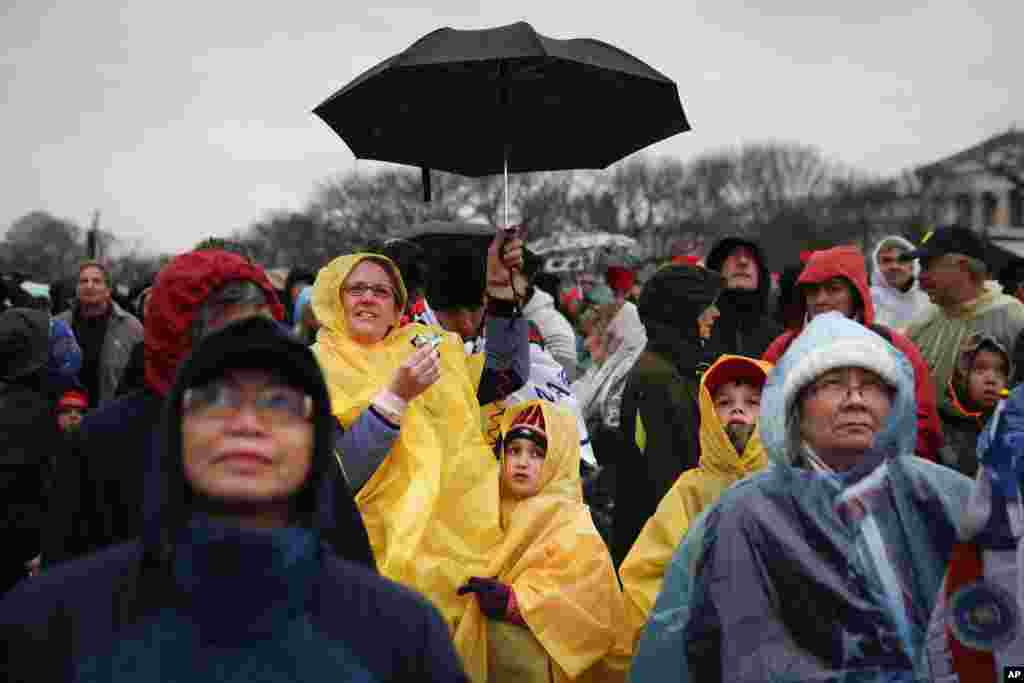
x,y
530,425
868,351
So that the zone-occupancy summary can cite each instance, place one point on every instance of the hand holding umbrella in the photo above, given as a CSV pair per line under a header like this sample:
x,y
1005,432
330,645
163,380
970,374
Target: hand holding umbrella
x,y
504,257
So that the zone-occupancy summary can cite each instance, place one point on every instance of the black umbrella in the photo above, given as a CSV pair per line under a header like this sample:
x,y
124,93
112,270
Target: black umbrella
x,y
504,99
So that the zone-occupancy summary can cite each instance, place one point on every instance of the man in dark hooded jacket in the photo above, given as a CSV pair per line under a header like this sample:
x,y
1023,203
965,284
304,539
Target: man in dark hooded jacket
x,y
254,563
28,437
746,326
100,494
660,414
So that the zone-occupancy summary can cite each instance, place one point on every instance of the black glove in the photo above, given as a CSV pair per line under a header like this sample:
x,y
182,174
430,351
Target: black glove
x,y
492,595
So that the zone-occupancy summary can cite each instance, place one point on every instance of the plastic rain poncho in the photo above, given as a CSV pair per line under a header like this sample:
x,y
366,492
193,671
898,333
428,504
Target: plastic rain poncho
x,y
431,509
560,570
802,574
976,629
719,467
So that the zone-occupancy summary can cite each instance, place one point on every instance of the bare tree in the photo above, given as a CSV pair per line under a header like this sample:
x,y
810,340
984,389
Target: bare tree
x,y
42,246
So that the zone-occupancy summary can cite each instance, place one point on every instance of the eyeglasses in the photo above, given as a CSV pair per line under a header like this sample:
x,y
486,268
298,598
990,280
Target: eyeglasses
x,y
837,386
363,288
221,400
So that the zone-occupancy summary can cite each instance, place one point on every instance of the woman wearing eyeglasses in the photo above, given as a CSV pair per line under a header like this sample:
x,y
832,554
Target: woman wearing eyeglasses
x,y
826,565
253,562
409,404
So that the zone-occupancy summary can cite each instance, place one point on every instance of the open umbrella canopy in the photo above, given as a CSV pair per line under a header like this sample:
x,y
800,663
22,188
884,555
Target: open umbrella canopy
x,y
582,241
468,102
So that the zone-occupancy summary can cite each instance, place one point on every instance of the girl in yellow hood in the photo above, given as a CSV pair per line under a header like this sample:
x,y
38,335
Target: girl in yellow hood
x,y
553,609
731,449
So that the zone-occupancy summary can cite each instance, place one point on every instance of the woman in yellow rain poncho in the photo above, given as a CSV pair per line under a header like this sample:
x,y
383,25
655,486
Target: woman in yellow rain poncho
x,y
552,601
719,467
431,506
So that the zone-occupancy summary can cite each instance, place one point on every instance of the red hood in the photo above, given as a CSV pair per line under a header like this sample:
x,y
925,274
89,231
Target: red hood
x,y
847,262
180,287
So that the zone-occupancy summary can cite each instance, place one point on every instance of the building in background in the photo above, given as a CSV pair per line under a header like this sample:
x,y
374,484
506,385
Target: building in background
x,y
981,187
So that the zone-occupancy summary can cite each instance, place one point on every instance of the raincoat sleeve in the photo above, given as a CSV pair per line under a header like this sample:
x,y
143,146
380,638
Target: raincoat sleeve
x,y
643,569
929,428
508,358
363,446
715,618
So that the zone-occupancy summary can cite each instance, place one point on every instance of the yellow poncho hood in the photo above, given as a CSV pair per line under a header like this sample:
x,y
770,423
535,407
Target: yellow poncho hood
x,y
719,467
432,507
556,562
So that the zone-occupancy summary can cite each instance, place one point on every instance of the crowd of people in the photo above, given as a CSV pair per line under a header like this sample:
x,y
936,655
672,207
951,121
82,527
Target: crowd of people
x,y
430,463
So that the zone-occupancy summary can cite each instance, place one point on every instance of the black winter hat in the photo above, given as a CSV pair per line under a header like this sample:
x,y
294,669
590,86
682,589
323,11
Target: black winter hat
x,y
677,294
324,502
950,239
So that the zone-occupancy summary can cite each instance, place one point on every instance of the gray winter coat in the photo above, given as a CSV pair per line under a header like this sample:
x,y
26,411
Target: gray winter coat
x,y
124,331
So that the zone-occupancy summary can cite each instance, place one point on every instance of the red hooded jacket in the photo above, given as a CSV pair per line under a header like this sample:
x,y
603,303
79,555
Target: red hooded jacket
x,y
848,263
180,288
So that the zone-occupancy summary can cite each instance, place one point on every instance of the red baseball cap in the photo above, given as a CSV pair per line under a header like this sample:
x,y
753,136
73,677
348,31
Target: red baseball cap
x,y
732,369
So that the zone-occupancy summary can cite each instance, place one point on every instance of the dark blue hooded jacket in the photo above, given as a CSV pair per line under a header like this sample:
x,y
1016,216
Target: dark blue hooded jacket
x,y
195,600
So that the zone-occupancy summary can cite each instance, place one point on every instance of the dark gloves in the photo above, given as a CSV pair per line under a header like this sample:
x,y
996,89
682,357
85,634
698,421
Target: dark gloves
x,y
496,599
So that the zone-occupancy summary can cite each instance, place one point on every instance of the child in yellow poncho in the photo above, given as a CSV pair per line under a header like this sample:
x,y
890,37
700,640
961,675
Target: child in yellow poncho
x,y
549,607
731,449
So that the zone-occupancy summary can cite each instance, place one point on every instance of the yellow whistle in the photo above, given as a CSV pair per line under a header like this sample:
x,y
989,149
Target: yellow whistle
x,y
1004,392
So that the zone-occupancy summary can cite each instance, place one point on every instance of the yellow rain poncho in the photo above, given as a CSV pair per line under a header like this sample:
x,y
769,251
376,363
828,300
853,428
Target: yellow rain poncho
x,y
561,573
719,467
431,508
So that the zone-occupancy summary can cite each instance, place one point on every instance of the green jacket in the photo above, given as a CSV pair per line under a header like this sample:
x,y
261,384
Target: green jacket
x,y
660,423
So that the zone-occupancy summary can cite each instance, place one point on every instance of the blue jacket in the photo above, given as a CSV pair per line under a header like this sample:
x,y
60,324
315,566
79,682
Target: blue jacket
x,y
198,601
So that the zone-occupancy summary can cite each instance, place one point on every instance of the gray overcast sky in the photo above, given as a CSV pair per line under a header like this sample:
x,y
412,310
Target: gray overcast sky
x,y
184,119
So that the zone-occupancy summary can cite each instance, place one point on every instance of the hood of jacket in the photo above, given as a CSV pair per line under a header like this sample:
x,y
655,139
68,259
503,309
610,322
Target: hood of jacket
x,y
828,342
746,301
716,449
180,289
560,473
894,306
877,279
846,262
673,299
326,296
323,503
24,343
959,404
538,301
